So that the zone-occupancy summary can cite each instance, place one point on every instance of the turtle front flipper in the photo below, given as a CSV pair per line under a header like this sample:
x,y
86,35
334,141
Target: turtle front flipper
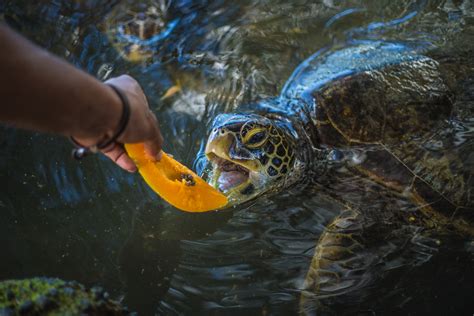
x,y
340,261
337,259
352,254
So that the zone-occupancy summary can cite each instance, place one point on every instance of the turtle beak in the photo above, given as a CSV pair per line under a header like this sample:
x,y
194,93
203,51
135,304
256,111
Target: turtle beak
x,y
223,145
219,145
230,173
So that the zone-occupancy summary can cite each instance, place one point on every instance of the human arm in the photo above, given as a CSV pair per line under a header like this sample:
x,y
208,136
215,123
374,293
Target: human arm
x,y
42,92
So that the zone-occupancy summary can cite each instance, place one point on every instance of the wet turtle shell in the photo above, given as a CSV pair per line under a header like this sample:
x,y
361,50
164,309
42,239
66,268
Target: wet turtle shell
x,y
387,111
400,112
392,105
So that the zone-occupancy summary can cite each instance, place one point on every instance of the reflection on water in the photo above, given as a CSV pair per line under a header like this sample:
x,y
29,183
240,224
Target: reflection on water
x,y
91,222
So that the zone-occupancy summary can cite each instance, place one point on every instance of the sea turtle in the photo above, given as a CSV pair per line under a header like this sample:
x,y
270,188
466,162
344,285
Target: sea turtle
x,y
369,124
136,28
162,30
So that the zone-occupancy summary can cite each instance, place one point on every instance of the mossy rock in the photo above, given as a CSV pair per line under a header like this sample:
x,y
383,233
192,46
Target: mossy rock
x,y
48,296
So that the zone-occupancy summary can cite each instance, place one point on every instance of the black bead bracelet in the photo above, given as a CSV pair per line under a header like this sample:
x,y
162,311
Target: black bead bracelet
x,y
81,151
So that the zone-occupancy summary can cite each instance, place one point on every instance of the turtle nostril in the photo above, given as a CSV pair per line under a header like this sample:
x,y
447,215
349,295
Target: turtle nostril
x,y
237,152
222,132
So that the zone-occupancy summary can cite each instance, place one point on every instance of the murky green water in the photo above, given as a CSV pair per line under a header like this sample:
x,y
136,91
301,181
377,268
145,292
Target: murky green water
x,y
93,223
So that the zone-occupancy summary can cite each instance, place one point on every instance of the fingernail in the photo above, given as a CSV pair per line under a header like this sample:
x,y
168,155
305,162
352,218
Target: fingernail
x,y
132,170
158,157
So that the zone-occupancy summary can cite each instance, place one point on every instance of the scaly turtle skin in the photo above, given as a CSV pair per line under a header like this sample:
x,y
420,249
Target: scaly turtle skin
x,y
249,152
370,125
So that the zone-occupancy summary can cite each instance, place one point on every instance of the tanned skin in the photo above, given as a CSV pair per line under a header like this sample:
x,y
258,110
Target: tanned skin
x,y
42,92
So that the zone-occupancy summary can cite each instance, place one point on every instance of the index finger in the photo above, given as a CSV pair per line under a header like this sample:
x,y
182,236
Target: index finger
x,y
154,144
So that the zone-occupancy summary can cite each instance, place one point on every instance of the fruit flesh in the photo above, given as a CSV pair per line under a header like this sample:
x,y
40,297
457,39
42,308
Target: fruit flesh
x,y
175,183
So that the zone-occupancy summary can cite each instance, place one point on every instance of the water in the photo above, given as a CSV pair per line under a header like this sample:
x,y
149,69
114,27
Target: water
x,y
93,223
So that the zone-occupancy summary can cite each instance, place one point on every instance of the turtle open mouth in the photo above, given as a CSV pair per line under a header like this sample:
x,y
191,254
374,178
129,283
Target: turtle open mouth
x,y
227,175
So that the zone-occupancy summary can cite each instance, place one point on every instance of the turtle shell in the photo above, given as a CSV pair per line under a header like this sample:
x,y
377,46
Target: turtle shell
x,y
398,116
387,105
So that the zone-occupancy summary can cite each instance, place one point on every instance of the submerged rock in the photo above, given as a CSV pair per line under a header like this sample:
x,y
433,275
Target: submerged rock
x,y
40,296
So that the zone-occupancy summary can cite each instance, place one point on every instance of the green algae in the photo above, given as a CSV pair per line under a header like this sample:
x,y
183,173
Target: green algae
x,y
50,296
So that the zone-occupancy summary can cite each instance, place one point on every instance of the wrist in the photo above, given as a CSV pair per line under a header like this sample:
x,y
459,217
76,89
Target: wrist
x,y
104,119
114,122
110,138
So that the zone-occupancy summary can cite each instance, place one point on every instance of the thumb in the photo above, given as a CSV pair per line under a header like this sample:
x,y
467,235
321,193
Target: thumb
x,y
118,155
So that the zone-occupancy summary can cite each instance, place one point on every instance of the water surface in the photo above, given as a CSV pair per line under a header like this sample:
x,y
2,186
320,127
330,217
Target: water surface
x,y
91,222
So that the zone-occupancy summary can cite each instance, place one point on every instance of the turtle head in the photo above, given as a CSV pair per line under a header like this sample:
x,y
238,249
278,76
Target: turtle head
x,y
136,29
248,155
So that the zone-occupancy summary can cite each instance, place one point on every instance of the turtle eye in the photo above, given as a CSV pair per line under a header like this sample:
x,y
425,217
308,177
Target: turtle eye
x,y
255,137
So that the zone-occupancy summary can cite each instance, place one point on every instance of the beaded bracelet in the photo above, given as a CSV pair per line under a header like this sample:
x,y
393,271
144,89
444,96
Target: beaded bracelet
x,y
81,151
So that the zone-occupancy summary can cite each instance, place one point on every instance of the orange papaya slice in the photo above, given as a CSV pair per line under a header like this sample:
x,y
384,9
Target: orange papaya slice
x,y
175,183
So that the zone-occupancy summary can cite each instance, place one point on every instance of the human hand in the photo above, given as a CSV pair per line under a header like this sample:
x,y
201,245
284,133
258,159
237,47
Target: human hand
x,y
142,126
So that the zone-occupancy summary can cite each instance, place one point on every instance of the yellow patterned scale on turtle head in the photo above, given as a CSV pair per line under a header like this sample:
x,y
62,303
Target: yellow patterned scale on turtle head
x,y
175,183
